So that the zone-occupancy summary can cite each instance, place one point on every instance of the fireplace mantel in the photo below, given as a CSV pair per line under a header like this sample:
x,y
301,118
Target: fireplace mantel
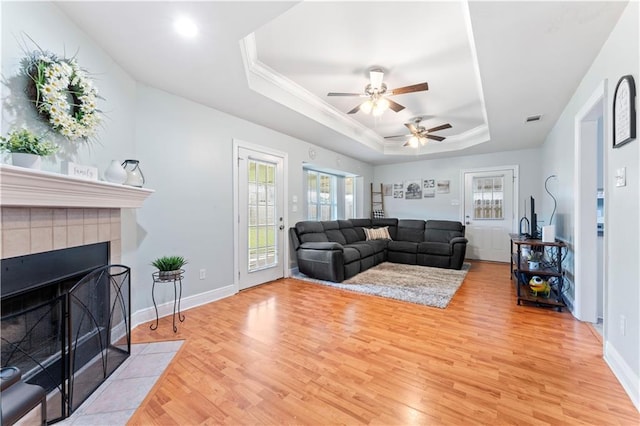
x,y
35,188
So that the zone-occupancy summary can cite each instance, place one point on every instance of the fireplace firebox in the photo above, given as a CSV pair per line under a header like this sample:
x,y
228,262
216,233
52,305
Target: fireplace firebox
x,y
65,321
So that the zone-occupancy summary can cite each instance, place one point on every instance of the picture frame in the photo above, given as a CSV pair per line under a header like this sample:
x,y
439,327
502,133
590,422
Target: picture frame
x,y
443,186
624,111
413,189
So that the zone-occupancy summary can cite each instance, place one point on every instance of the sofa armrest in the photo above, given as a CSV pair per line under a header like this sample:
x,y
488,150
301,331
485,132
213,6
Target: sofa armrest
x,y
321,246
321,260
459,246
458,240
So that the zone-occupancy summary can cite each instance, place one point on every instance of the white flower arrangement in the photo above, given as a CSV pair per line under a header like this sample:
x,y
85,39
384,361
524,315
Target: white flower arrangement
x,y
63,95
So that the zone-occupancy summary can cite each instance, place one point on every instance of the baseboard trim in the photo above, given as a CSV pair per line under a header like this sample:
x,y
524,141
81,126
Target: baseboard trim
x,y
189,302
625,375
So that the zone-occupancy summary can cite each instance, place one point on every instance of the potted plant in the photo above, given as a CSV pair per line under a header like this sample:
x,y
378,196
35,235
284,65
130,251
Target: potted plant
x,y
535,257
169,267
26,148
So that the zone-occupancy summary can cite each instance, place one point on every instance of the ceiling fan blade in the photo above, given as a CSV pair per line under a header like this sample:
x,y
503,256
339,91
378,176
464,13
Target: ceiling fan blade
x,y
394,105
396,136
410,89
412,128
441,127
344,94
356,109
435,138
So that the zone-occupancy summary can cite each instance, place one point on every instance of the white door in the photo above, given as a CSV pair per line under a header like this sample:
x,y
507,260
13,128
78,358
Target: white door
x,y
261,230
489,213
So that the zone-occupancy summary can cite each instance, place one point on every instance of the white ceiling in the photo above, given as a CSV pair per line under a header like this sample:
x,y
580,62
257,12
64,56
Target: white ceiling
x,y
489,65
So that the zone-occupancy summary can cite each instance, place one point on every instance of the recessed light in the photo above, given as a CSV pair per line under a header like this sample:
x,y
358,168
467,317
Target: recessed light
x,y
185,27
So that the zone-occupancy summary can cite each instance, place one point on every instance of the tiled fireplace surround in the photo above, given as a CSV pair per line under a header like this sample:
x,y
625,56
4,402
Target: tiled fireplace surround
x,y
30,230
44,211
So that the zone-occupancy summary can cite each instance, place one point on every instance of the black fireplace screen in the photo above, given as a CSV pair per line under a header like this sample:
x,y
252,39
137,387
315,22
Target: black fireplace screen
x,y
71,343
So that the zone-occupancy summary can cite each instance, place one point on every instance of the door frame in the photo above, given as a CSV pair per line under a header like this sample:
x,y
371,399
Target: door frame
x,y
237,144
585,218
516,190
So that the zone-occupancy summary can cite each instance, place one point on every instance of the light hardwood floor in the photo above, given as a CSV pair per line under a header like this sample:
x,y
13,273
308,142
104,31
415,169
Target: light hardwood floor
x,y
292,352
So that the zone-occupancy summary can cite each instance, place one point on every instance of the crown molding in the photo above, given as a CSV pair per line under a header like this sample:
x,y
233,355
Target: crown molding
x,y
266,81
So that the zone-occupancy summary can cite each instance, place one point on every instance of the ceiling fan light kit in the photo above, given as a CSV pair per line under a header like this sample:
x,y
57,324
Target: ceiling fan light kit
x,y
420,135
376,106
377,103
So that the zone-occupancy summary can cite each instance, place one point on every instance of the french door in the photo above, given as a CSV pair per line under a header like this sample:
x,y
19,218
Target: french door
x,y
490,198
260,208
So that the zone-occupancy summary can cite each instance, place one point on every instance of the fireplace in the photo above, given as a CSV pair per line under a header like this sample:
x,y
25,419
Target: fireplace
x,y
75,323
65,321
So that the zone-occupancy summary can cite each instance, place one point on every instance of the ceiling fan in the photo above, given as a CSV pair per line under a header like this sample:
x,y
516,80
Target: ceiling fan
x,y
419,134
377,92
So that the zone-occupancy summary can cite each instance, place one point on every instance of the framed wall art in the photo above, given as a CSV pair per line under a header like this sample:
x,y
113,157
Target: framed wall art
x,y
624,111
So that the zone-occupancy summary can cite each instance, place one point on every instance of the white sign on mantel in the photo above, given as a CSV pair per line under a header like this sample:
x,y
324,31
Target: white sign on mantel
x,y
83,172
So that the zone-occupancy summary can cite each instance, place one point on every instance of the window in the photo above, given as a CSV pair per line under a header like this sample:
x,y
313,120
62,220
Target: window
x,y
329,196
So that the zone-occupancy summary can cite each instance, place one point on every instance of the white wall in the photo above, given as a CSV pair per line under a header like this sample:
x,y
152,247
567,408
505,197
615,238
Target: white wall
x,y
441,207
185,150
619,56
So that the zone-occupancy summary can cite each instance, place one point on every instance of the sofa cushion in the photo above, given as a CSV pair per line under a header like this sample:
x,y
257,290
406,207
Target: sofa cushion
x,y
336,236
358,225
411,230
377,233
378,245
350,255
429,247
442,231
363,248
362,223
351,235
349,232
403,246
330,224
310,231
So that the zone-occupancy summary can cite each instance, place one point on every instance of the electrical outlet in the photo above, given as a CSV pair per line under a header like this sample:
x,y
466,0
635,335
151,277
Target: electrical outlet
x,y
623,325
203,274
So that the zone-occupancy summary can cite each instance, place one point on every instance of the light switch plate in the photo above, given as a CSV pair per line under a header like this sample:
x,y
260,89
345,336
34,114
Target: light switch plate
x,y
621,176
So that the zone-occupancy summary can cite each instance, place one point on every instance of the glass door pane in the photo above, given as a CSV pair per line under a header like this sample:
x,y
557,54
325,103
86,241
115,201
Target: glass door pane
x,y
262,234
488,197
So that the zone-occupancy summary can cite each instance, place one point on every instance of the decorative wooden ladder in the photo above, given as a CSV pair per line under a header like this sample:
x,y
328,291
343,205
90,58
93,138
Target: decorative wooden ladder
x,y
377,200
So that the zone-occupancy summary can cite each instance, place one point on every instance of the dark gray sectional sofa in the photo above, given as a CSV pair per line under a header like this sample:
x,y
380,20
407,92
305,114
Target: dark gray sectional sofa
x,y
337,250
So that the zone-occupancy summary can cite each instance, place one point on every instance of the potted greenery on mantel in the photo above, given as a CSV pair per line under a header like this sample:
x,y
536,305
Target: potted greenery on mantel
x,y
169,267
26,148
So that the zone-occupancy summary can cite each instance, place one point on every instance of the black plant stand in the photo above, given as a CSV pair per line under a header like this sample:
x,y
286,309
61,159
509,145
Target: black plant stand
x,y
177,297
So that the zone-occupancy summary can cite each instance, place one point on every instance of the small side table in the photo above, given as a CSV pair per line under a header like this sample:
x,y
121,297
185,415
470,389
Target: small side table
x,y
177,297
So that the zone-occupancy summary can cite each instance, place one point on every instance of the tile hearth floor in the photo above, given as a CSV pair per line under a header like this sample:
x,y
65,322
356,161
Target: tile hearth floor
x,y
115,401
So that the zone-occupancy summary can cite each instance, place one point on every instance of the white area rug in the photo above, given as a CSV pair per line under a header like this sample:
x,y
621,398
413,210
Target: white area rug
x,y
423,285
